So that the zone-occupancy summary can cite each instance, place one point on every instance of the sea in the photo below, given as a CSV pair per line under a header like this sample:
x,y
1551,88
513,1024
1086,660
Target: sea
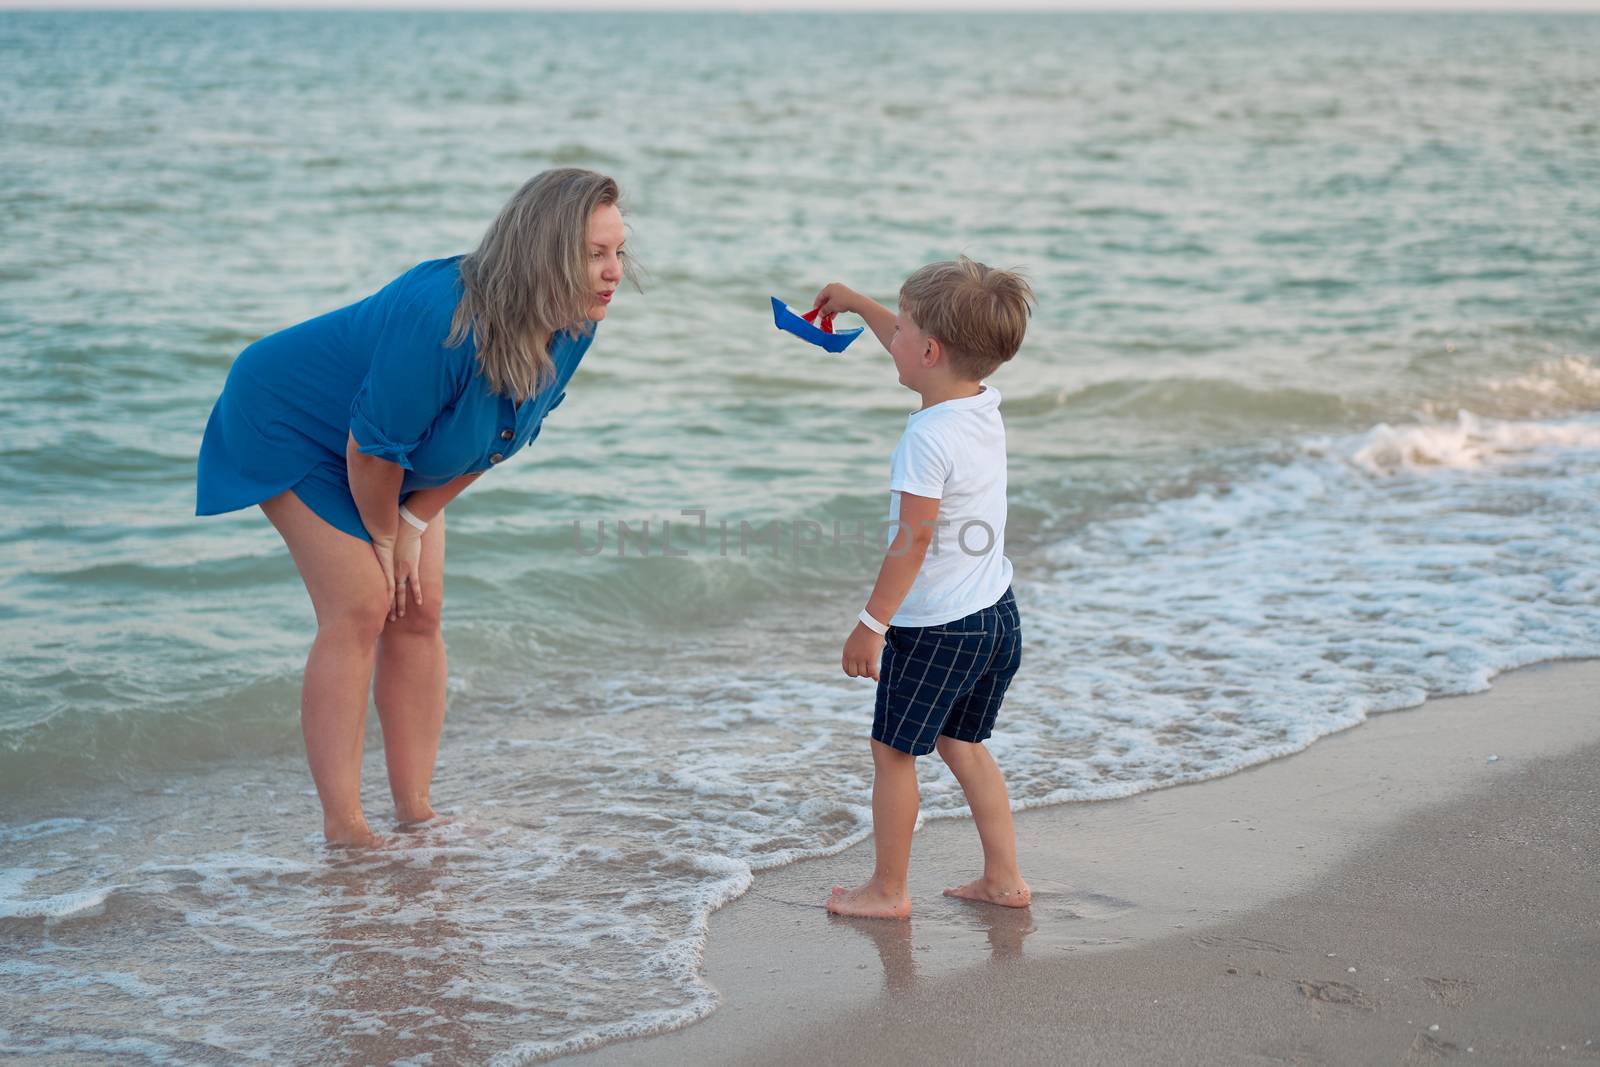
x,y
1306,428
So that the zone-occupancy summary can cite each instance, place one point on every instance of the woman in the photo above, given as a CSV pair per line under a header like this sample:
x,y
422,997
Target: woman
x,y
353,430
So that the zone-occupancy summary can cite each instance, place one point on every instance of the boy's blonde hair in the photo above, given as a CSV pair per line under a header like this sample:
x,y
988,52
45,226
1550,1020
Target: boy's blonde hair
x,y
978,313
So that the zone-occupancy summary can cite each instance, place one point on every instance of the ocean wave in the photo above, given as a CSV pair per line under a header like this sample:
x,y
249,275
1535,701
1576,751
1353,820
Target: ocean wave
x,y
1165,397
116,734
1469,443
1551,388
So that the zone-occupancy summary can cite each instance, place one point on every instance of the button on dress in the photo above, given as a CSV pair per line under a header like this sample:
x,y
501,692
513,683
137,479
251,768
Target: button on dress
x,y
378,369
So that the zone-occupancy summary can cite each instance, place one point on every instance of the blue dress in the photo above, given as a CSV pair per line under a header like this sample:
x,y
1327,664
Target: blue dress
x,y
379,370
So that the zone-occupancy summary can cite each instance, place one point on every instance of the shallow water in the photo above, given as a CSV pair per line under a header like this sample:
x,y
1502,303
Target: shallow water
x,y
1277,258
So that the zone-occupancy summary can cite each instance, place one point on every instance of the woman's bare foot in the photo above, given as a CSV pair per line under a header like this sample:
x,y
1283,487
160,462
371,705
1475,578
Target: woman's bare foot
x,y
350,833
431,822
413,812
1009,894
869,902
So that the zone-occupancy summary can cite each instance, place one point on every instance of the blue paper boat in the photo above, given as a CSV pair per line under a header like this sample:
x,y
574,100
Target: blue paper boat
x,y
784,318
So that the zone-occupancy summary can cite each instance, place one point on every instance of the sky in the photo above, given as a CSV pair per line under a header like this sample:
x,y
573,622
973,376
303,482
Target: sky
x,y
760,5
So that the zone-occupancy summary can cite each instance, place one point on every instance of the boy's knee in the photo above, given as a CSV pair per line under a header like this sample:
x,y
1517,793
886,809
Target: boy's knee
x,y
955,752
882,753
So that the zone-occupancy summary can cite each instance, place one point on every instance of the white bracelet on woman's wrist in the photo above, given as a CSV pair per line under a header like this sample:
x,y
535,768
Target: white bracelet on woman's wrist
x,y
412,520
872,624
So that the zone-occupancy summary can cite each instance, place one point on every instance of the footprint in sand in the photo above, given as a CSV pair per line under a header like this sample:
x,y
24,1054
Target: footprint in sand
x,y
1093,905
1451,992
1248,944
1428,1049
1347,996
1062,901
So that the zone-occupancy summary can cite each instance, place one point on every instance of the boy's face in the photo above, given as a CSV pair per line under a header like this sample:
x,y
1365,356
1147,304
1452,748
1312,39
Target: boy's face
x,y
909,349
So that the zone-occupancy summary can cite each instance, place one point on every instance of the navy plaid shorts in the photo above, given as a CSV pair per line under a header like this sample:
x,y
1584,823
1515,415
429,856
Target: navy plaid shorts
x,y
946,679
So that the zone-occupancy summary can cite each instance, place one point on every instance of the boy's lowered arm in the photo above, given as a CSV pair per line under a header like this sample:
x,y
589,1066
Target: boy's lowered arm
x,y
919,519
919,516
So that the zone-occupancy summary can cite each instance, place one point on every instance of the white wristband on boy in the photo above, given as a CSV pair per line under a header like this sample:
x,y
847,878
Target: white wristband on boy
x,y
411,520
872,624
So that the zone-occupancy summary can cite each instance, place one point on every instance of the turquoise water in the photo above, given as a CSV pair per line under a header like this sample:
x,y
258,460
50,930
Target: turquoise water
x,y
1277,258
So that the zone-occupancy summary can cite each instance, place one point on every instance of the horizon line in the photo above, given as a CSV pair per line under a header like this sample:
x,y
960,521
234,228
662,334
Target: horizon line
x,y
746,7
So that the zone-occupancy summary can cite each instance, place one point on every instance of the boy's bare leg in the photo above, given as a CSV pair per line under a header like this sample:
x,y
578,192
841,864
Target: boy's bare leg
x,y
985,788
894,817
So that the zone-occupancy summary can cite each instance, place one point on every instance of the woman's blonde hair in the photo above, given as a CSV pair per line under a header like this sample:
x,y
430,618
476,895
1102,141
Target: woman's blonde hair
x,y
529,279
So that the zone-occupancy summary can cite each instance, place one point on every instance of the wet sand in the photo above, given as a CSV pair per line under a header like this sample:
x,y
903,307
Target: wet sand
x,y
1391,895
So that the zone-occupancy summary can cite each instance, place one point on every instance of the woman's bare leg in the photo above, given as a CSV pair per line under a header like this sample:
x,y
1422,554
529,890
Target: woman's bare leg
x,y
410,687
347,592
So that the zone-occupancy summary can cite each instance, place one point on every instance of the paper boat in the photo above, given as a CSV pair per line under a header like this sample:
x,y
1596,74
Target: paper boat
x,y
784,317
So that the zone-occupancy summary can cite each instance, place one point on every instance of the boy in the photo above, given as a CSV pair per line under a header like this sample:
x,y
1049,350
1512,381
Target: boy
x,y
941,614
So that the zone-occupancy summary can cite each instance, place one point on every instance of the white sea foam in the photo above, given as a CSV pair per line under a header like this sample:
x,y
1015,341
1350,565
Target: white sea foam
x,y
33,830
13,880
229,868
1245,621
57,978
73,1047
52,907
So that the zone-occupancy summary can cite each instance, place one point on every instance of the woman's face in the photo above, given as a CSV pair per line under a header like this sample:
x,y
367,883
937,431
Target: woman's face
x,y
605,239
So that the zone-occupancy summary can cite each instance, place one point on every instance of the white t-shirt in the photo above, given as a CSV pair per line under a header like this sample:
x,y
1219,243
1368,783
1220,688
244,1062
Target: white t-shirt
x,y
955,452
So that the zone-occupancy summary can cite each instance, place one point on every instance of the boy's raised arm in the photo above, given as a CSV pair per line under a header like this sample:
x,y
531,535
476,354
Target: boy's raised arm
x,y
836,297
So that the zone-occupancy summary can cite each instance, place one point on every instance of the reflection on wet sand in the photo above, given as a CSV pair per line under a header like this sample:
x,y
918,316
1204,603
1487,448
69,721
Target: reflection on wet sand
x,y
1004,928
892,939
398,960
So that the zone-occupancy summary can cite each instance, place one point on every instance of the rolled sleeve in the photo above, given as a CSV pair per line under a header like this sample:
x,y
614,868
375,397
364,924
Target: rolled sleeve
x,y
412,379
370,439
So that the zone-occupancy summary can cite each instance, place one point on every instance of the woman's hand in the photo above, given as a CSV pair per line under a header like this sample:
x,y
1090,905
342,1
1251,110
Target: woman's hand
x,y
383,548
407,580
862,650
835,298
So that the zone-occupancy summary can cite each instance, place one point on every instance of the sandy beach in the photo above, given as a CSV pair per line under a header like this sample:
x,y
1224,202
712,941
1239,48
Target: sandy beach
x,y
1419,888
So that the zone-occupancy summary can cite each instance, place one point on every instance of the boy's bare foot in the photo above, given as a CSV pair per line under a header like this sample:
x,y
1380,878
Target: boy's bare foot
x,y
869,902
1006,894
